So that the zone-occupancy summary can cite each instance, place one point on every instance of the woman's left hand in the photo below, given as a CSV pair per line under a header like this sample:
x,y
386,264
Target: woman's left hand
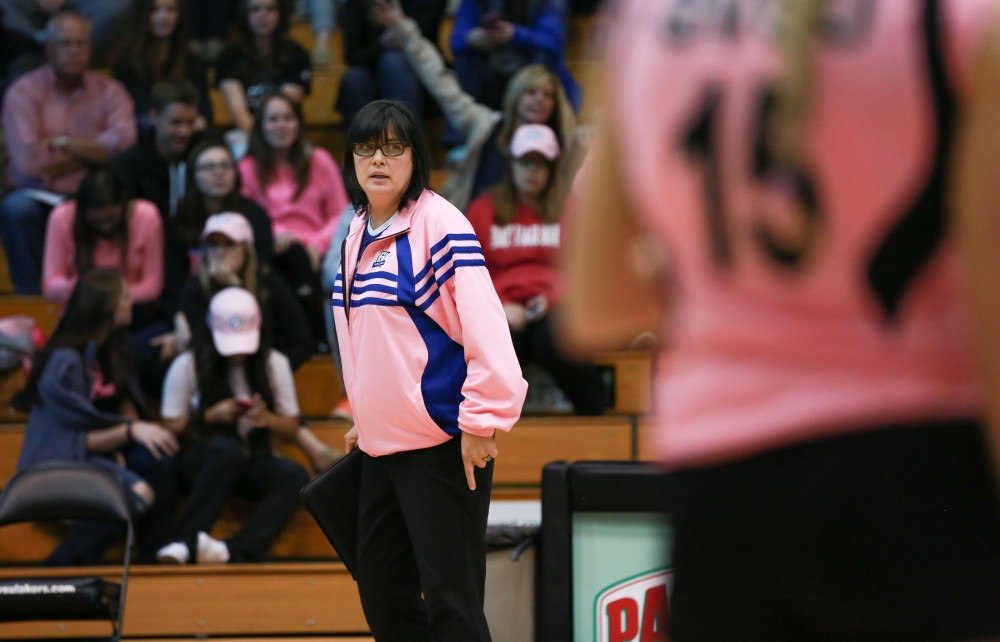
x,y
477,452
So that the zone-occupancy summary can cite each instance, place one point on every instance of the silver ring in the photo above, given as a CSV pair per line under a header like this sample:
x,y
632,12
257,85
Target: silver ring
x,y
487,459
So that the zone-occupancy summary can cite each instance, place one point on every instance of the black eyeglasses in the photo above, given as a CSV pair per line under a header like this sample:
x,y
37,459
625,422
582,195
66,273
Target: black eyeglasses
x,y
389,150
223,166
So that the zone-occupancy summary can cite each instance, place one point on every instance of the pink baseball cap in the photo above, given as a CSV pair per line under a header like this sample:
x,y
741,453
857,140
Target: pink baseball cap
x,y
234,318
534,138
233,225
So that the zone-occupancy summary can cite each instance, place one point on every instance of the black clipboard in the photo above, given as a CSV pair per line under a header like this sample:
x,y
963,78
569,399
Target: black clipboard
x,y
332,499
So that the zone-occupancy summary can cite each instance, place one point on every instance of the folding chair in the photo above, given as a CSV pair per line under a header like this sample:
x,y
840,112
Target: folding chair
x,y
58,491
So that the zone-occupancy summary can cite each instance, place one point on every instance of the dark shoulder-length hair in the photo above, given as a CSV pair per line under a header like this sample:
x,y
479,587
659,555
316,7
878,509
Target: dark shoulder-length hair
x,y
299,156
140,49
372,125
89,316
189,221
99,188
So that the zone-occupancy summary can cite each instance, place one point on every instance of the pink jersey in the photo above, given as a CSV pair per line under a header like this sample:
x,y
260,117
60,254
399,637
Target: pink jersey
x,y
806,303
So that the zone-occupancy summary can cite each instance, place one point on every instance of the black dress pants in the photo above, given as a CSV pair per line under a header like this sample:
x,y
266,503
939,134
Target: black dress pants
x,y
421,530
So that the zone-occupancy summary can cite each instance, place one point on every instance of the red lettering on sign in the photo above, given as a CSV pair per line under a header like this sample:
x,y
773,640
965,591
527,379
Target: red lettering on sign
x,y
655,614
623,620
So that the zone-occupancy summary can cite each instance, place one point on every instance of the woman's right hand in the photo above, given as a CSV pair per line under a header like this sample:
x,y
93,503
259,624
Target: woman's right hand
x,y
351,439
226,411
157,439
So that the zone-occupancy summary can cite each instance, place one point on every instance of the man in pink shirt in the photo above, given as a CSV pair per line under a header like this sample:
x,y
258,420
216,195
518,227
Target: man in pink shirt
x,y
59,121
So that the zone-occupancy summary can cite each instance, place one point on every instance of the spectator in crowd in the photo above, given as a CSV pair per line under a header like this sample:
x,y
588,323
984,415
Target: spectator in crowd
x,y
301,189
519,223
230,398
493,39
212,186
154,169
322,18
106,17
227,260
158,49
104,228
59,121
263,59
84,404
376,65
19,54
534,95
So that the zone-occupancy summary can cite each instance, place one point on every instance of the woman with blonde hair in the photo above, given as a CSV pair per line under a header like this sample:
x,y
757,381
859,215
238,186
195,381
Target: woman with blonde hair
x,y
833,447
534,95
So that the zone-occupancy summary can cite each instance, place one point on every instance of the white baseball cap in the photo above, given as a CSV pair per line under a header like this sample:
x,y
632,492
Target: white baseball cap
x,y
234,318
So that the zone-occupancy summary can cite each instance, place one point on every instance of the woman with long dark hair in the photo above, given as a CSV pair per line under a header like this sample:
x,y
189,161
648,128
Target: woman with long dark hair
x,y
84,404
229,398
104,228
212,186
158,47
262,58
301,189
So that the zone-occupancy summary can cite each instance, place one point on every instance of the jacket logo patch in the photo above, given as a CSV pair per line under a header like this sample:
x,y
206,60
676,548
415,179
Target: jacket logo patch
x,y
380,259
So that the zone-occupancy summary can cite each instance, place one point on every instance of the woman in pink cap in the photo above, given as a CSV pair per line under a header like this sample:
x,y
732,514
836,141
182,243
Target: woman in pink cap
x,y
229,398
520,225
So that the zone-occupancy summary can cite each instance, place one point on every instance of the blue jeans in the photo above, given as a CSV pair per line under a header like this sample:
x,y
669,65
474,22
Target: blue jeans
x,y
321,13
392,79
87,540
22,225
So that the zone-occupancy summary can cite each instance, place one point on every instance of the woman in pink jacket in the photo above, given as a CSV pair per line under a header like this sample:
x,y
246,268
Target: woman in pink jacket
x,y
301,188
103,228
431,375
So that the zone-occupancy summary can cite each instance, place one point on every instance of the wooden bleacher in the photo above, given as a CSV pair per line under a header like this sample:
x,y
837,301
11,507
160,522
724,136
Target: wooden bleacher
x,y
302,592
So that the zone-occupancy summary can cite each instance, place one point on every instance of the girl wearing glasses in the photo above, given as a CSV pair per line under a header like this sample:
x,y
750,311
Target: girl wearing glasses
x,y
520,226
832,242
301,189
431,375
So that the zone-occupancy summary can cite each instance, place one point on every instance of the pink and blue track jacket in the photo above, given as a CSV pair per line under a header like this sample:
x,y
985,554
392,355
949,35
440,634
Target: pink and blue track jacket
x,y
423,338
